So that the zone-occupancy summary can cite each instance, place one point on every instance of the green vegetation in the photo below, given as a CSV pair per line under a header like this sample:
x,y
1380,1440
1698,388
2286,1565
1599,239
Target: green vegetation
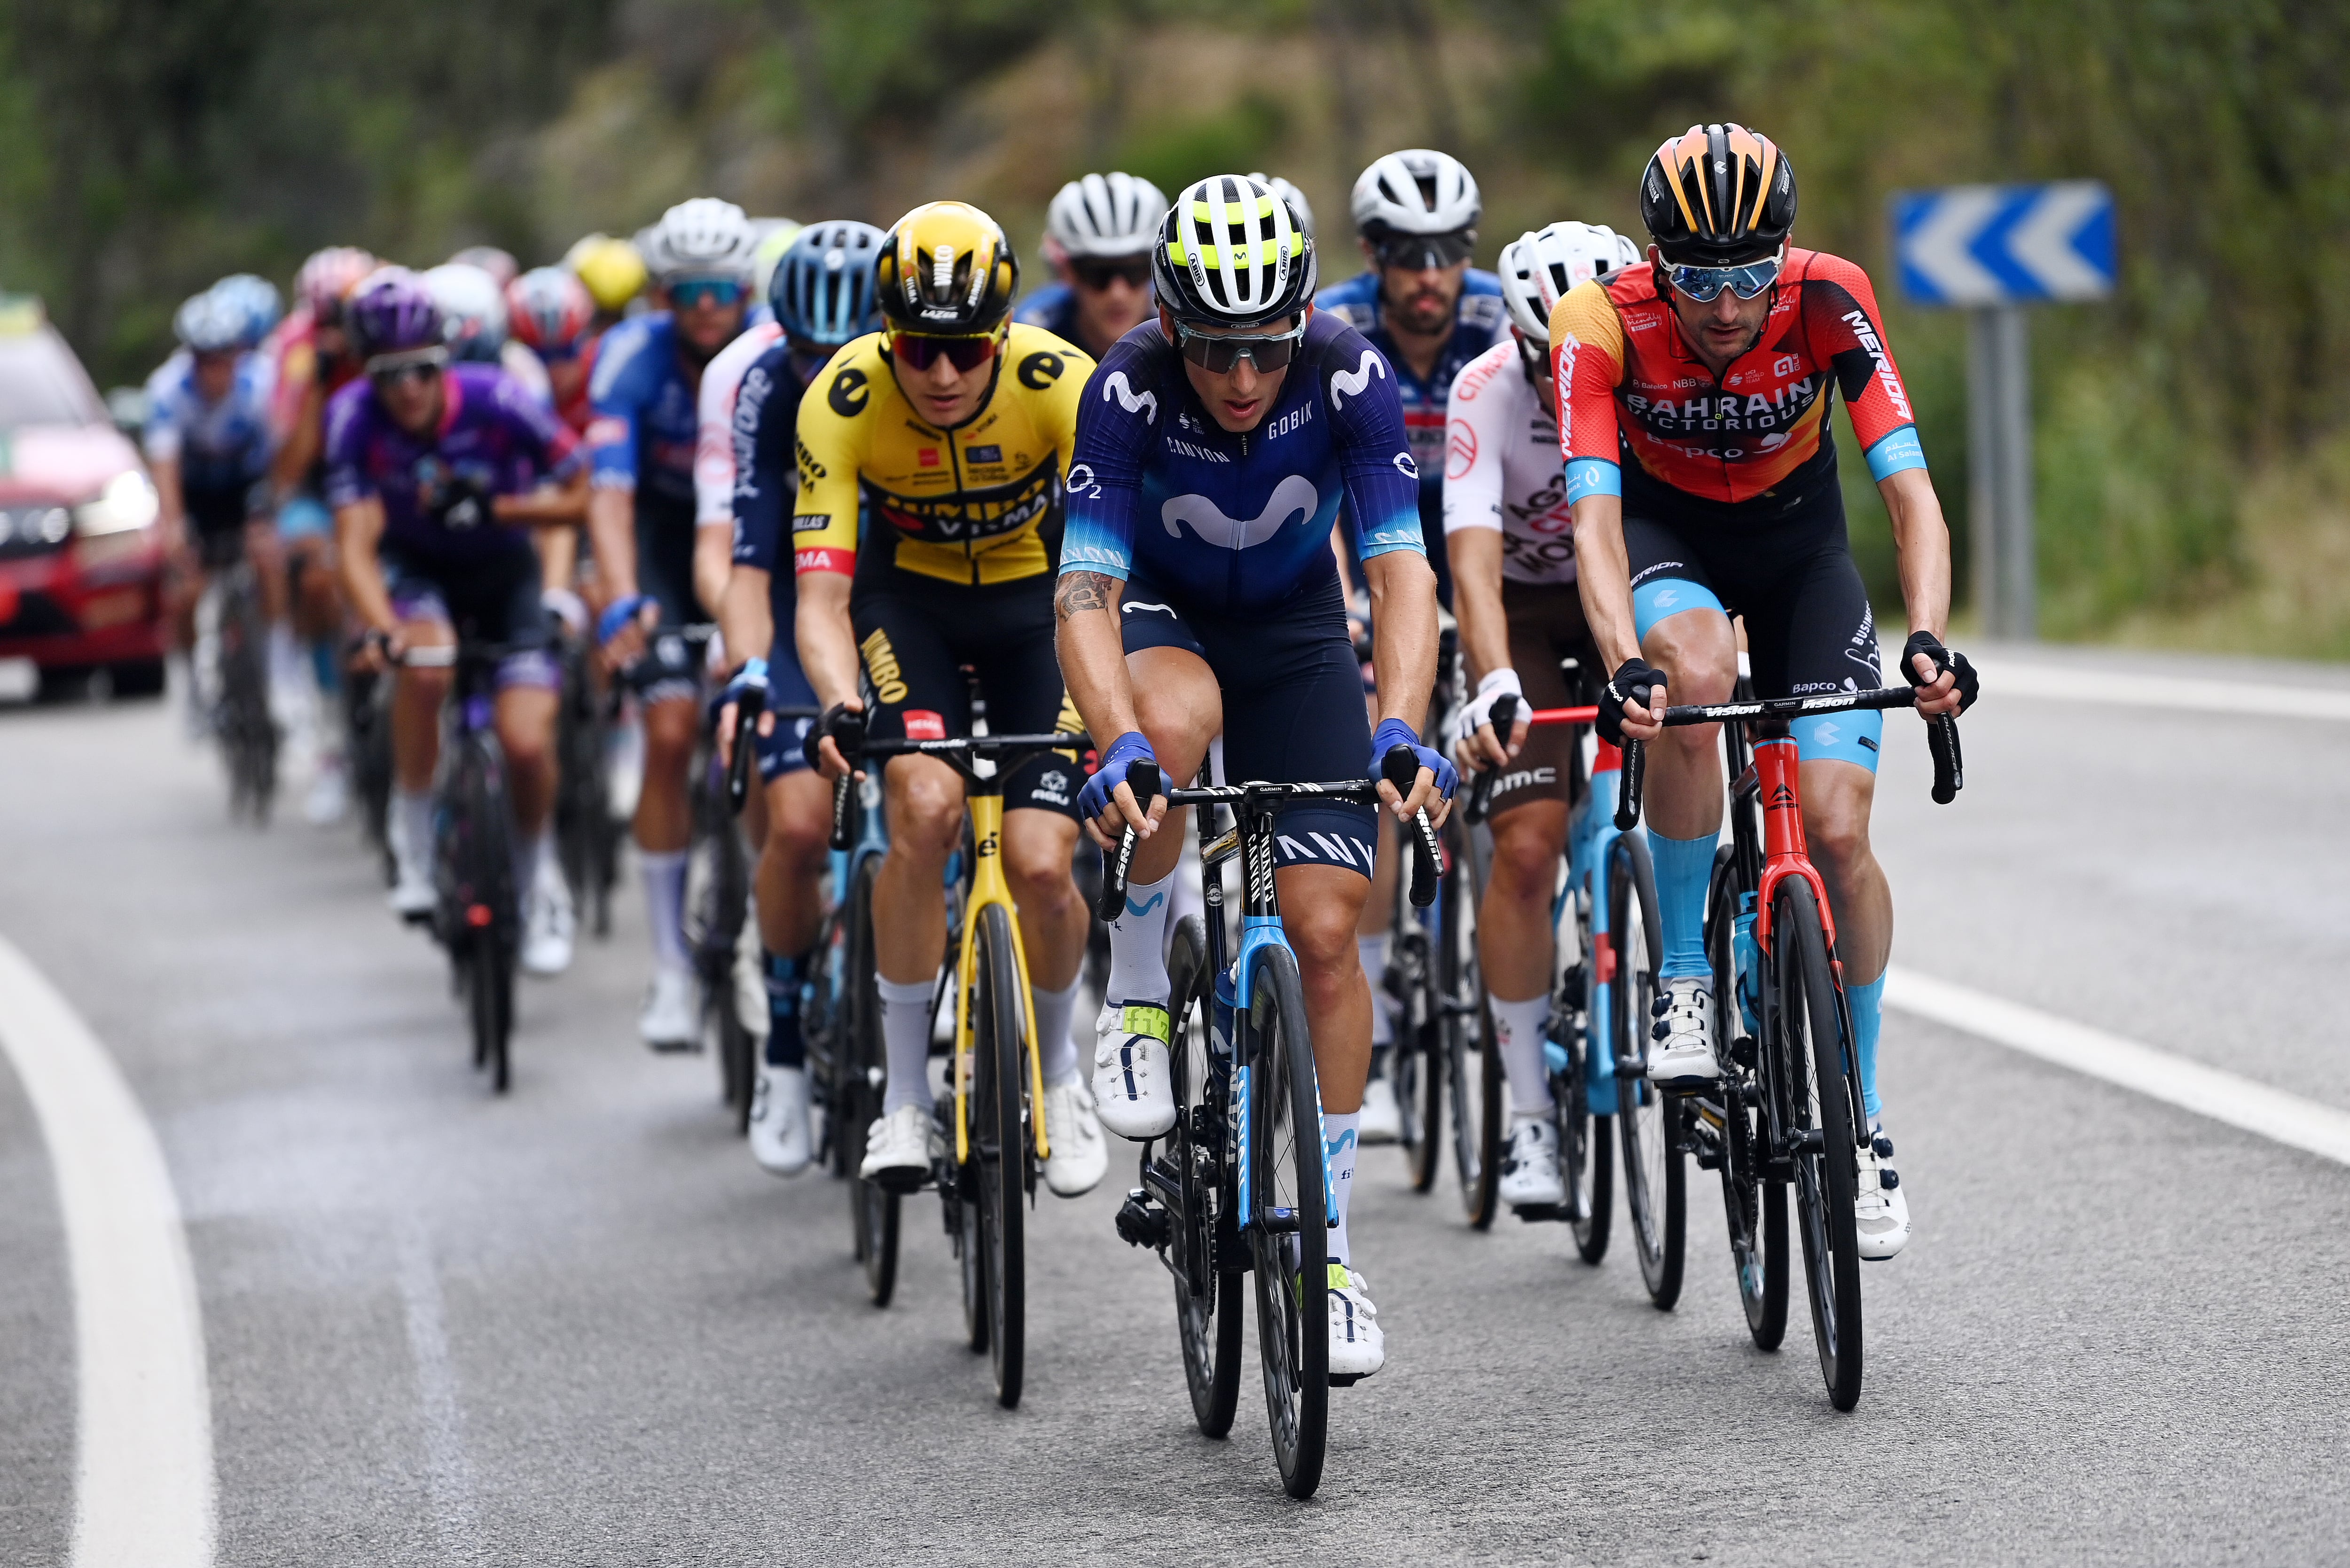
x,y
2193,486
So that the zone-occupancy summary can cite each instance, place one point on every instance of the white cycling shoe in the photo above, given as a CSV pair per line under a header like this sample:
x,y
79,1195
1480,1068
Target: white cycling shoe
x,y
1357,1349
1132,1092
412,897
1880,1209
1382,1118
547,927
1530,1177
1080,1156
671,1017
779,1120
1682,1055
331,796
900,1149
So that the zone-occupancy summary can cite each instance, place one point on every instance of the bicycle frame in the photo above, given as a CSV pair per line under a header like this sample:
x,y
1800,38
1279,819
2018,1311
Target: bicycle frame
x,y
985,803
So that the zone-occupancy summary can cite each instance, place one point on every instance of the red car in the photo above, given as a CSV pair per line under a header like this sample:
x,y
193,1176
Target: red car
x,y
81,567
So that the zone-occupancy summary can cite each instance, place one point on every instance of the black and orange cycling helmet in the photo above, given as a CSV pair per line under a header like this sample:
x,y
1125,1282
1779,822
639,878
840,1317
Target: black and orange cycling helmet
x,y
946,270
1718,195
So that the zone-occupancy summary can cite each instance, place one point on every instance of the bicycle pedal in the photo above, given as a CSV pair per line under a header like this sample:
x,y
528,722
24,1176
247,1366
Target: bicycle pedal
x,y
1142,1223
901,1179
1540,1213
674,1048
1342,1379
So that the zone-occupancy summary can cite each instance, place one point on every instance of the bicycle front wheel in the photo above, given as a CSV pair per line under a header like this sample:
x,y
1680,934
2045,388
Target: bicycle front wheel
x,y
1649,1121
999,1145
1818,1120
1200,1241
1288,1221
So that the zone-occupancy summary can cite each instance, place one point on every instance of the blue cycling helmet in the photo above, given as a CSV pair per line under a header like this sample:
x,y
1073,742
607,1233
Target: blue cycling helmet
x,y
255,300
822,291
209,324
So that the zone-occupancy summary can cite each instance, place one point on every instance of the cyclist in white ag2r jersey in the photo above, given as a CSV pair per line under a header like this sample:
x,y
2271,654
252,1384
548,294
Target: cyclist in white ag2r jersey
x,y
1512,541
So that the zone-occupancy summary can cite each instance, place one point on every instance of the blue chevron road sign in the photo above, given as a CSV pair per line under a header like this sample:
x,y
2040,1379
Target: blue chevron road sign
x,y
2006,244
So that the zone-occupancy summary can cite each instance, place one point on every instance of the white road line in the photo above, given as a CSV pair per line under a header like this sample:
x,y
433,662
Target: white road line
x,y
2191,1085
144,1487
449,1471
2004,677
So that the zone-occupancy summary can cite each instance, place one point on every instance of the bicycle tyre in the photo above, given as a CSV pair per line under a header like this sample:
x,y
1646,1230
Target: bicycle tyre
x,y
1415,1060
1000,1145
487,882
1753,1209
872,1208
1208,1310
1472,1054
1287,1172
1815,1098
1649,1124
1585,1140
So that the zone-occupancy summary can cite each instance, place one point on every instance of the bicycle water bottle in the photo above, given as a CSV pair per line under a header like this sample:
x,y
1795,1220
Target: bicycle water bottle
x,y
1747,959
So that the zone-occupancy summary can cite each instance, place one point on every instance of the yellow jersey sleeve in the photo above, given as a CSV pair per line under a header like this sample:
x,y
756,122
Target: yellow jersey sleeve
x,y
1052,372
830,451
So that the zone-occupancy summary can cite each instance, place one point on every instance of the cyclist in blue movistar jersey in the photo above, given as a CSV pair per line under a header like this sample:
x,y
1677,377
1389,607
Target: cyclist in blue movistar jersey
x,y
1097,237
821,295
641,518
1198,593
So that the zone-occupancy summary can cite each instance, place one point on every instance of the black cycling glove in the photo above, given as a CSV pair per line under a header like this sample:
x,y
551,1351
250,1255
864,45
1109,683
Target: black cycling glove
x,y
1634,681
1943,659
839,723
462,505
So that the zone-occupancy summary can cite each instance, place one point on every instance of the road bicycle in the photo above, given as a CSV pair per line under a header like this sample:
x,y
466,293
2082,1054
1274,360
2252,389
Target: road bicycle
x,y
1787,1110
1241,1184
992,1125
588,835
477,914
1596,1044
233,641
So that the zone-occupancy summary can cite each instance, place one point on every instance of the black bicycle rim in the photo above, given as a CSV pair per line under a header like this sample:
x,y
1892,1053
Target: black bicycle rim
x,y
1586,1142
1815,1097
1292,1328
1000,1145
1208,1310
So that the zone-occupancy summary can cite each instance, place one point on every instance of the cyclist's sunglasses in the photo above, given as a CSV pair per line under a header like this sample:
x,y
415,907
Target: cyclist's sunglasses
x,y
411,365
1096,272
1419,252
1704,284
920,352
687,293
1270,351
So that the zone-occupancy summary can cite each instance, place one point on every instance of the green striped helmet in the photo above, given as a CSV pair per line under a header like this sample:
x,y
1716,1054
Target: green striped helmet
x,y
1233,253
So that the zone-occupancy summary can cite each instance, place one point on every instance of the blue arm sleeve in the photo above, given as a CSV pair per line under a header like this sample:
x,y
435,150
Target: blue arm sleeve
x,y
1374,452
615,393
1116,423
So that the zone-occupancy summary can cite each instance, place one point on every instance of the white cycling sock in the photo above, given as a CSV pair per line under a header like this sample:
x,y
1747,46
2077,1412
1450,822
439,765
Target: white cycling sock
x,y
1372,953
411,829
1339,1133
1056,1053
905,1040
527,853
665,906
1138,944
1518,1031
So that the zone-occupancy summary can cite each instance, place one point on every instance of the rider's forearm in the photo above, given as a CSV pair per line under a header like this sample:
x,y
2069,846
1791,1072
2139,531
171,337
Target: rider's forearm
x,y
300,448
1476,555
612,529
1093,653
171,508
549,504
358,529
1403,633
1603,573
826,637
559,553
1921,540
746,618
714,562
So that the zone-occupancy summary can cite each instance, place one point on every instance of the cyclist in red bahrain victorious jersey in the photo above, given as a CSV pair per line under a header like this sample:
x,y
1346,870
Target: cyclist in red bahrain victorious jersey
x,y
1703,480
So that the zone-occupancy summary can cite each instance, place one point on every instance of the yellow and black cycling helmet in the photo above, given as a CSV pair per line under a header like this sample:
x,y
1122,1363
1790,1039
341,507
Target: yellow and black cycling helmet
x,y
946,270
1718,195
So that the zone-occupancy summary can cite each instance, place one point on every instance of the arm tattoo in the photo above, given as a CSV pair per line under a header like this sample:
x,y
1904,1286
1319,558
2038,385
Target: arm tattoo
x,y
1082,591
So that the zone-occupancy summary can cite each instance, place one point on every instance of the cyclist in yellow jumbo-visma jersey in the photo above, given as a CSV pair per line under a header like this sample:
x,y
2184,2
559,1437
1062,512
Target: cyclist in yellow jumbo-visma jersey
x,y
951,430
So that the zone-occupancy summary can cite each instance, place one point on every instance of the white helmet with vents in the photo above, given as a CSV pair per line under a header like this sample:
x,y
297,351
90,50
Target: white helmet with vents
x,y
1416,192
1106,215
1230,253
705,237
1292,195
1537,269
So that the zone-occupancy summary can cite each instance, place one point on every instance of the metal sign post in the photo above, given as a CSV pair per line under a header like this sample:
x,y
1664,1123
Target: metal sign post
x,y
1994,249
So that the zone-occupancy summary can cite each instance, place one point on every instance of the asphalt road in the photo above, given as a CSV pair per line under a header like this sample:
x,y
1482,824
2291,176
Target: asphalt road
x,y
576,1325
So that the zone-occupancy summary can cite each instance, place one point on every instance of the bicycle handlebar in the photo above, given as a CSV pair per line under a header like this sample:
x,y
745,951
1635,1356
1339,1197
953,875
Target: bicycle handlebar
x,y
847,732
1942,737
1504,718
748,706
1142,778
1401,768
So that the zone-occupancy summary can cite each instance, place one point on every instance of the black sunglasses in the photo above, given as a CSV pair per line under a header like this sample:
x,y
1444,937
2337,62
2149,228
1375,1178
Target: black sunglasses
x,y
1273,351
1096,272
1418,252
920,352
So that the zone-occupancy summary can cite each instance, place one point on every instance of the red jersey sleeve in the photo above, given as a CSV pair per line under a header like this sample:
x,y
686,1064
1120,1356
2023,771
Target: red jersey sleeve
x,y
1586,357
1846,336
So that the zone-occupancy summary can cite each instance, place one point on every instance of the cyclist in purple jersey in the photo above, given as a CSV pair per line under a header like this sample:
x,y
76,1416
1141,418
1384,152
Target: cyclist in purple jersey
x,y
436,475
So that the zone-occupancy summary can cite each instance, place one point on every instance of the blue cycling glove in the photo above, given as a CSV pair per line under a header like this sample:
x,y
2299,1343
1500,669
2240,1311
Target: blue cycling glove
x,y
618,614
752,677
1123,753
1393,733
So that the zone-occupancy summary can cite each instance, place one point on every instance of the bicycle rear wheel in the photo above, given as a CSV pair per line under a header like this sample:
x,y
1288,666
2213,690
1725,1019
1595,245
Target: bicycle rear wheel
x,y
1649,1122
1000,1145
872,1208
1756,1210
485,896
1288,1219
1208,1310
1817,1109
1586,1142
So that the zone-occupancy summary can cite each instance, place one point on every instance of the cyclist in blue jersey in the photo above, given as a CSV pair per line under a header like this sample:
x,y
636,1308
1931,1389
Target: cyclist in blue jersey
x,y
1097,237
640,519
1197,595
821,295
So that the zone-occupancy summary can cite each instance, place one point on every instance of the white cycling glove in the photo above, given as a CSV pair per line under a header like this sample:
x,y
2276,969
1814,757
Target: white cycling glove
x,y
1478,712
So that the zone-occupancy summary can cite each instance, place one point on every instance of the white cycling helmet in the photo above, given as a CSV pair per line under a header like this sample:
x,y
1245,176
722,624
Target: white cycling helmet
x,y
1291,194
473,310
1537,269
705,237
1230,253
1416,192
1106,215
